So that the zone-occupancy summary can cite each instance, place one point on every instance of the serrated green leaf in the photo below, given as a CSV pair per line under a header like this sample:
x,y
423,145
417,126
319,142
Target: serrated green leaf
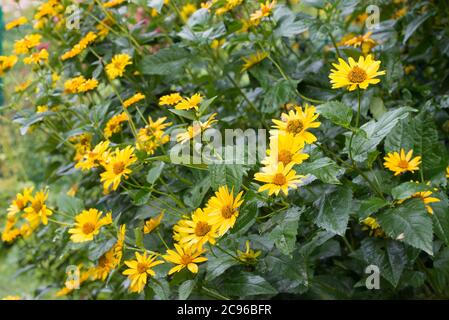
x,y
284,234
337,112
324,169
407,189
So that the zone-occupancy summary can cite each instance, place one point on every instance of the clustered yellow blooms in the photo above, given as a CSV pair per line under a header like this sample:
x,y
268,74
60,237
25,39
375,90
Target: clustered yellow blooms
x,y
25,214
80,46
80,85
134,99
197,128
265,10
37,57
51,8
114,124
81,143
15,23
88,224
287,141
116,68
95,157
152,136
253,59
6,63
181,103
23,46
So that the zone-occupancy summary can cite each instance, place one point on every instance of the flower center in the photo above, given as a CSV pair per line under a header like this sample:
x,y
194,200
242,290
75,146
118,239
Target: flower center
x,y
118,167
186,259
103,261
37,206
285,156
202,228
279,179
227,212
88,227
141,267
403,164
357,75
295,126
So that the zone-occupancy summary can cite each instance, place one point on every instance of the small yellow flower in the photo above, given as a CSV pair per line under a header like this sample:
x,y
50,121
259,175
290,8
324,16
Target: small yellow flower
x,y
80,46
278,178
24,45
447,172
37,57
118,65
285,148
152,136
365,42
38,206
15,23
253,59
116,167
114,124
22,86
184,257
373,226
88,224
264,11
425,196
400,162
139,269
134,99
93,158
190,103
248,257
20,202
6,63
355,74
79,85
40,109
194,130
187,10
170,99
152,223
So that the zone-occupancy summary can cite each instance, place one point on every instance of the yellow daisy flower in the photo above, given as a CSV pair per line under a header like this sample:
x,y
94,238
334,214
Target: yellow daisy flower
x,y
170,99
400,163
139,269
365,42
373,226
190,103
253,59
116,167
39,207
194,130
118,65
88,224
37,57
355,74
134,99
223,209
93,158
15,23
20,202
153,135
277,178
24,45
184,257
447,172
248,257
298,122
152,223
114,124
425,196
6,63
187,10
285,148
264,11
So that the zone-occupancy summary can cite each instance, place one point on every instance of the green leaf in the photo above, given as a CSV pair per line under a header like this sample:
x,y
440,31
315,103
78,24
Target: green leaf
x,y
188,114
69,205
167,61
226,174
161,288
284,234
410,223
185,289
334,210
156,4
99,249
138,234
155,172
280,93
139,197
217,265
370,206
194,196
324,169
407,189
414,24
336,112
247,216
377,107
243,284
441,217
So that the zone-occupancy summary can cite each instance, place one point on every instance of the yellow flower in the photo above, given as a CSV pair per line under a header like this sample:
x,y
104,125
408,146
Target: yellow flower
x,y
187,10
73,190
253,59
37,57
194,130
93,158
249,256
75,282
152,223
111,259
80,46
447,172
277,178
79,85
11,297
39,207
6,63
22,86
285,148
116,167
113,3
88,224
20,202
118,65
15,23
49,8
184,257
103,27
114,124
425,196
10,232
170,99
223,209
264,11
355,74
373,226
40,109
365,42
228,6
400,163
139,269
216,43
134,99
198,230
24,45
190,103
152,136
298,122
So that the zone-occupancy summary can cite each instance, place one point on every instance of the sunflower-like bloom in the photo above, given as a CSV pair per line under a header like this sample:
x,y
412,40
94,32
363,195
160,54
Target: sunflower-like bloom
x,y
6,63
264,11
152,223
111,259
37,57
38,207
198,230
298,122
170,99
88,224
400,162
15,23
134,99
114,124
93,158
365,42
184,257
278,177
116,167
20,202
80,46
79,85
285,148
253,59
223,209
195,129
24,45
153,135
190,103
355,74
139,269
373,227
118,65
248,257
